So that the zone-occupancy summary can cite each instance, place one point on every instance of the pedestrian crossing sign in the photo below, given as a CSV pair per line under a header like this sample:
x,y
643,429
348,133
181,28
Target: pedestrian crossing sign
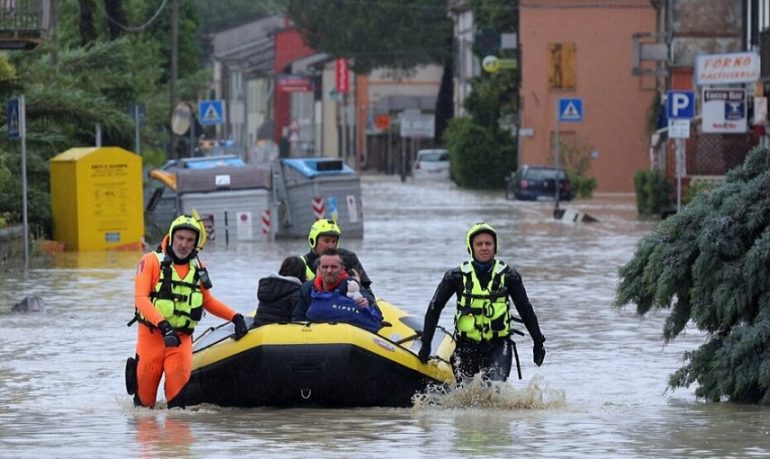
x,y
13,119
211,112
571,110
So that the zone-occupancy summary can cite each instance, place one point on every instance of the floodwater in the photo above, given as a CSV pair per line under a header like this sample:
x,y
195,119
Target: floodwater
x,y
601,391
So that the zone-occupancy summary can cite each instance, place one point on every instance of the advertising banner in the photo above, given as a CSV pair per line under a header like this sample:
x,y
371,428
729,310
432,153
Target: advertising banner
x,y
724,111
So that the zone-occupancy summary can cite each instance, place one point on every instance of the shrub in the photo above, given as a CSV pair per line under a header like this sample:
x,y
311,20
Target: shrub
x,y
653,192
582,186
696,187
575,159
480,157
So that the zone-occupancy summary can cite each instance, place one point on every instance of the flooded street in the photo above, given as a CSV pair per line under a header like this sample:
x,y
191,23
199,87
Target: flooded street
x,y
62,391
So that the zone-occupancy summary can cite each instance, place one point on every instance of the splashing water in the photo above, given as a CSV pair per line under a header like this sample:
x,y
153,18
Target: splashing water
x,y
482,393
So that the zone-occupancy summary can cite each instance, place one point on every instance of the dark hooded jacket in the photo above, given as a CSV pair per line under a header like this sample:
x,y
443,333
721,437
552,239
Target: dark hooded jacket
x,y
277,297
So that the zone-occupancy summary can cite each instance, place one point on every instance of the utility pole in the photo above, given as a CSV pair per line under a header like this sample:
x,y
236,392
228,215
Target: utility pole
x,y
174,70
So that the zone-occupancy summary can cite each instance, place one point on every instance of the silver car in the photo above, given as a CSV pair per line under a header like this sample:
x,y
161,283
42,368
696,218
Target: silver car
x,y
432,163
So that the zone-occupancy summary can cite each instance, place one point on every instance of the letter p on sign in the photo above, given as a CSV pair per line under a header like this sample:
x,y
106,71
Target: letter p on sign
x,y
681,105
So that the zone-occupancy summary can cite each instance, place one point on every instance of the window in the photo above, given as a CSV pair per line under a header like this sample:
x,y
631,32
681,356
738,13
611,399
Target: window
x,y
561,69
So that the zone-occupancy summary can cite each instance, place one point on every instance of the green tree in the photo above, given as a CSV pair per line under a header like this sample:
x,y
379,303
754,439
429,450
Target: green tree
x,y
226,14
70,88
479,157
398,34
708,264
484,160
394,34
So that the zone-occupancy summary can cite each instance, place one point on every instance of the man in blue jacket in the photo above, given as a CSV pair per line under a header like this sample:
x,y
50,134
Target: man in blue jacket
x,y
336,296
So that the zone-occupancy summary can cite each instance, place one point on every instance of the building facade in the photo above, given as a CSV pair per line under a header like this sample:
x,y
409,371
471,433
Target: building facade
x,y
582,50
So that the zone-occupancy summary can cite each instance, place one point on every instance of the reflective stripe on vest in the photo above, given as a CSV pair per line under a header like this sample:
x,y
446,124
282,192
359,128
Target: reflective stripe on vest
x,y
309,273
182,306
483,313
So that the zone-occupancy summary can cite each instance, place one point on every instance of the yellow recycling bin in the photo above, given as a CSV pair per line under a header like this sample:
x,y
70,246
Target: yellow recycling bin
x,y
96,199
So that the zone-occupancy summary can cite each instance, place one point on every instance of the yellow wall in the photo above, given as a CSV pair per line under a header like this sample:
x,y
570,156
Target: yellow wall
x,y
96,198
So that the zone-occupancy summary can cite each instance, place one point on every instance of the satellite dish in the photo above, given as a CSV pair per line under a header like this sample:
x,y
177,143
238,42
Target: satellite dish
x,y
181,118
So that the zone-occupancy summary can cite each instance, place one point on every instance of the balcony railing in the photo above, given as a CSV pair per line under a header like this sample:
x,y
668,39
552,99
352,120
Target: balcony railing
x,y
24,24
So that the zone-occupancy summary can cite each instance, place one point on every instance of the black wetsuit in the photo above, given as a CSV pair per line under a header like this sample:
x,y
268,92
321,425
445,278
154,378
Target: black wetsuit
x,y
493,356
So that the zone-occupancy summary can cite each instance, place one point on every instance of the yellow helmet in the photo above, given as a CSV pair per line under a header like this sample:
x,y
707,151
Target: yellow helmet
x,y
323,227
187,222
477,229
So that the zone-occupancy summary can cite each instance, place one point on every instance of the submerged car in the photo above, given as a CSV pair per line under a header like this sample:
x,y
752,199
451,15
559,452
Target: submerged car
x,y
531,183
433,163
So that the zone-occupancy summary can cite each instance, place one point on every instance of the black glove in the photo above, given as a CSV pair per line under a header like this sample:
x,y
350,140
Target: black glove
x,y
424,354
240,326
169,335
538,353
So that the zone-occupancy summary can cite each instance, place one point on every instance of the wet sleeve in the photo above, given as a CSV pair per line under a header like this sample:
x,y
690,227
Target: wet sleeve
x,y
370,298
520,299
215,306
147,275
444,291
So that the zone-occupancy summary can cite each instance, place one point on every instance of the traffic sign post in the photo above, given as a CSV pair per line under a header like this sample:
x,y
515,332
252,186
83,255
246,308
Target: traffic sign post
x,y
13,118
211,112
138,113
17,129
568,110
680,107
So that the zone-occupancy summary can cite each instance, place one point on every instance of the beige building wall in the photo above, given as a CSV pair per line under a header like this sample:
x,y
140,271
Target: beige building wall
x,y
422,81
615,103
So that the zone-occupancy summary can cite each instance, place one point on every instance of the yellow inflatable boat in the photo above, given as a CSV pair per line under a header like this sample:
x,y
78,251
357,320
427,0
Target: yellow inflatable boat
x,y
316,364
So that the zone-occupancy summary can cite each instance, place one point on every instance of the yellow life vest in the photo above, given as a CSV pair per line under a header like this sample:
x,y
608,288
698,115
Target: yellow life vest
x,y
483,313
178,300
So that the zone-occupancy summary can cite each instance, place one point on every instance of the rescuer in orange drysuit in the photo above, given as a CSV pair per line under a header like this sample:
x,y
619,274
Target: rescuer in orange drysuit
x,y
171,289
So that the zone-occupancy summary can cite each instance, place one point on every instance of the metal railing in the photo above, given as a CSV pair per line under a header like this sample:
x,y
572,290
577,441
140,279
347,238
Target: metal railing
x,y
24,23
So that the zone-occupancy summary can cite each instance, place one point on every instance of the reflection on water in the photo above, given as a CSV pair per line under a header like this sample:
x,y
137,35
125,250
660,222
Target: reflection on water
x,y
601,391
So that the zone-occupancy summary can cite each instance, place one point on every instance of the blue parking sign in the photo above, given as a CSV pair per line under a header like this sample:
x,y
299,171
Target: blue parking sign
x,y
681,105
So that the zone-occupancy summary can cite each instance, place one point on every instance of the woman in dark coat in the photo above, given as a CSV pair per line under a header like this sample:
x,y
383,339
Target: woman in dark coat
x,y
278,293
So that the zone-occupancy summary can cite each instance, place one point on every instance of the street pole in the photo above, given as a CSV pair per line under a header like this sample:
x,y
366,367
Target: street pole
x,y
137,143
679,167
174,72
192,133
558,154
344,128
23,138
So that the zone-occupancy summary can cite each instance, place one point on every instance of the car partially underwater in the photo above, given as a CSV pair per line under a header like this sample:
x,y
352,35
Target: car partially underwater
x,y
532,183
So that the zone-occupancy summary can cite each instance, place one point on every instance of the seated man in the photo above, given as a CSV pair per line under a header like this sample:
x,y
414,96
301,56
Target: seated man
x,y
335,296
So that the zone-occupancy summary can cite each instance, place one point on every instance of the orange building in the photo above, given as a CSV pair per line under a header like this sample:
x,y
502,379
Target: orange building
x,y
583,49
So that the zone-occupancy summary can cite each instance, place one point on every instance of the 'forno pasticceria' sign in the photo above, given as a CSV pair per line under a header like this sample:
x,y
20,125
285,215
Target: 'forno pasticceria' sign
x,y
712,69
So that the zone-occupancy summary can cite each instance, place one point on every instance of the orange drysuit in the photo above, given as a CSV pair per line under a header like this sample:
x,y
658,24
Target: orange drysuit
x,y
153,357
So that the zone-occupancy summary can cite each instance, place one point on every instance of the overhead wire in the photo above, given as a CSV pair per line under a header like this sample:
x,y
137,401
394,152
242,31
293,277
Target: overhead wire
x,y
128,28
